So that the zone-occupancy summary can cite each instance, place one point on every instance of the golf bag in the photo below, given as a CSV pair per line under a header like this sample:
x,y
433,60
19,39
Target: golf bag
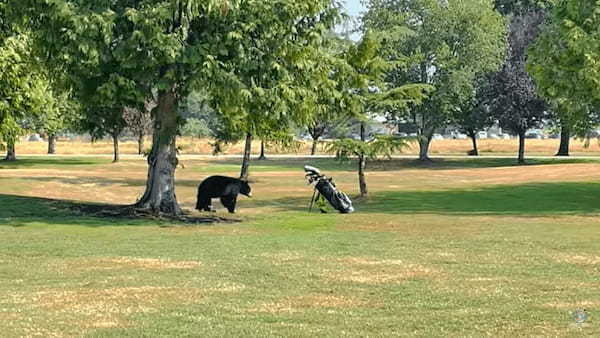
x,y
325,187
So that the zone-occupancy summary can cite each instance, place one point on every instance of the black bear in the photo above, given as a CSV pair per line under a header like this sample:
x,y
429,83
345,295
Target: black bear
x,y
226,188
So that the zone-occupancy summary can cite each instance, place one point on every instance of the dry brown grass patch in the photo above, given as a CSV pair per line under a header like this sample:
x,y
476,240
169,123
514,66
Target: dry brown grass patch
x,y
373,271
579,259
283,257
573,305
308,302
103,308
140,263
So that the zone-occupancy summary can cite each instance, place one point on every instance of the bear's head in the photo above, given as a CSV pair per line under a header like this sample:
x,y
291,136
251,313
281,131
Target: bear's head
x,y
245,189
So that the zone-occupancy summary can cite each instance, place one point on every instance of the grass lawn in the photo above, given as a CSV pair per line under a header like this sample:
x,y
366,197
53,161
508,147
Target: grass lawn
x,y
457,248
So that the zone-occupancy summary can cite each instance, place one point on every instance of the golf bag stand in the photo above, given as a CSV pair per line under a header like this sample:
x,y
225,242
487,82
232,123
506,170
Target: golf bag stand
x,y
325,187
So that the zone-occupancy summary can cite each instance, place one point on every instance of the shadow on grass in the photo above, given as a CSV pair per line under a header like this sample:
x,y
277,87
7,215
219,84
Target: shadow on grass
x,y
543,199
297,164
18,211
99,181
465,163
330,164
527,199
44,162
106,182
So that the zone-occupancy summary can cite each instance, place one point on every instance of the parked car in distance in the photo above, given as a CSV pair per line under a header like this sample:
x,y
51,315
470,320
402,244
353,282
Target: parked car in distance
x,y
534,134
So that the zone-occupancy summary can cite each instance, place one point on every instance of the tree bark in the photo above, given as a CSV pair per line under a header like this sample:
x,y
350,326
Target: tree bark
x,y
521,158
315,133
11,154
262,151
313,151
565,140
116,155
140,143
246,160
362,164
51,144
475,151
424,142
159,196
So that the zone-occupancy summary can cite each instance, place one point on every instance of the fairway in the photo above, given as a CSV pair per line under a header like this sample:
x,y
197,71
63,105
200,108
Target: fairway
x,y
452,249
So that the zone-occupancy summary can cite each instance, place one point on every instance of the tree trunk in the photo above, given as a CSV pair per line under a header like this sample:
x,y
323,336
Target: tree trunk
x,y
313,151
475,151
140,143
521,158
424,142
565,140
262,151
162,161
362,164
51,144
11,154
246,161
116,155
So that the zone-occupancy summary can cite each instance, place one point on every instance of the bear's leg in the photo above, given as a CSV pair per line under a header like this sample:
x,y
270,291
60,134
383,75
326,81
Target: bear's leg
x,y
208,205
229,202
203,204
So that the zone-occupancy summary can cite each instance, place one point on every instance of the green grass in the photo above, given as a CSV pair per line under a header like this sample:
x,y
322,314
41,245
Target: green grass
x,y
479,259
573,198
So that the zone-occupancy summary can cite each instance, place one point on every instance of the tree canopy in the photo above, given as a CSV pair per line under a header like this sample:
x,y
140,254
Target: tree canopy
x,y
564,60
446,44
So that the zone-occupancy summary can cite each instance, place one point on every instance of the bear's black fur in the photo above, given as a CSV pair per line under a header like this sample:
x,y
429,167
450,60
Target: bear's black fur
x,y
226,188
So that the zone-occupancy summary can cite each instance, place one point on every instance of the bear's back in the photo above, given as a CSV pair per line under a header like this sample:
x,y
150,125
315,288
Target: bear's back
x,y
216,185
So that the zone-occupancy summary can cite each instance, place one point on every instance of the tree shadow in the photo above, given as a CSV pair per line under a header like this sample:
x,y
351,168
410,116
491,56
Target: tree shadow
x,y
279,164
18,211
332,165
567,198
106,182
465,163
536,199
287,204
99,181
45,161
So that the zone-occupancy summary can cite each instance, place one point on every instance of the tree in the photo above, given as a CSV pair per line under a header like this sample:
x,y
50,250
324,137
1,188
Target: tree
x,y
380,146
24,88
365,86
276,57
512,94
177,46
563,62
102,121
519,7
566,124
195,128
445,44
60,114
139,121
474,115
335,105
201,119
321,126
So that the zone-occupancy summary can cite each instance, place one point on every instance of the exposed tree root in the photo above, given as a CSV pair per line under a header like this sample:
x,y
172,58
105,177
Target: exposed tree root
x,y
131,212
